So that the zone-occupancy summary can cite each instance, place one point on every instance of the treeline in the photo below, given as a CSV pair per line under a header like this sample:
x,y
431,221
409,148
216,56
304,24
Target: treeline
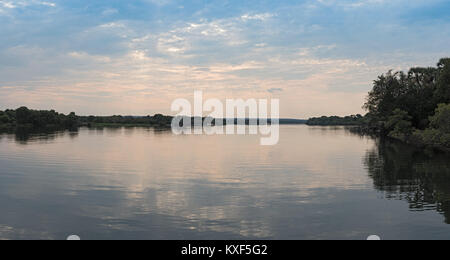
x,y
352,120
36,120
24,118
413,107
156,120
43,120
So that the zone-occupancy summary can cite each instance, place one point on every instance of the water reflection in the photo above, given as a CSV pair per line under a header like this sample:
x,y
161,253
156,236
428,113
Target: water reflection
x,y
24,137
402,172
145,183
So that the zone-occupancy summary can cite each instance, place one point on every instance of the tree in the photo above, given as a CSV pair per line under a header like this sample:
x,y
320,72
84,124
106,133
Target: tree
x,y
443,91
386,95
438,134
399,124
441,120
71,121
23,115
335,120
419,99
418,93
4,118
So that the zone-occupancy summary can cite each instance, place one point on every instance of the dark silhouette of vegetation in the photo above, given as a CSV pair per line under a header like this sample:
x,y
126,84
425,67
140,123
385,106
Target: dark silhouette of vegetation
x,y
104,121
287,121
24,119
336,121
413,107
438,133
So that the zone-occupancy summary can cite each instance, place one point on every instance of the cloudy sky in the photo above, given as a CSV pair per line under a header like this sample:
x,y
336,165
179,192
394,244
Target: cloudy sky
x,y
105,57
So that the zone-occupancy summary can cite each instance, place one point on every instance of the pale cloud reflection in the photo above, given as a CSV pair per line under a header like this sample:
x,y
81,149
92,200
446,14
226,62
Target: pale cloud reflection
x,y
210,183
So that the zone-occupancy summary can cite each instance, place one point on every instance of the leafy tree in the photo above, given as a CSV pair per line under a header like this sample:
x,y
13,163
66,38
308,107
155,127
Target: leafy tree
x,y
399,124
443,91
403,105
23,115
335,120
441,120
4,119
71,121
438,134
385,96
419,100
27,119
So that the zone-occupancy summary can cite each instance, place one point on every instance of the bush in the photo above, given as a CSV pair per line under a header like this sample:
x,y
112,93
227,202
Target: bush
x,y
441,120
438,134
4,118
399,124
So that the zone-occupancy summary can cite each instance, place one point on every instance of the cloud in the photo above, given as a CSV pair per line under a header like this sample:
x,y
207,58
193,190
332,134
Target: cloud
x,y
110,11
160,2
9,8
351,5
209,37
24,3
257,17
135,58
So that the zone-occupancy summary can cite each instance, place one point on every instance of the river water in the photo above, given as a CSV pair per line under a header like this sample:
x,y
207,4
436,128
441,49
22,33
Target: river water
x,y
139,183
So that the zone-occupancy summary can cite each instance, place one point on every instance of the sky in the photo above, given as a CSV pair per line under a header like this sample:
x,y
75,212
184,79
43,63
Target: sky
x,y
105,57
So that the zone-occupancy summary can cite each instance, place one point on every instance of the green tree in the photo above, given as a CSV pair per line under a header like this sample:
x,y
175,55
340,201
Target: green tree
x,y
399,124
442,94
4,118
441,120
438,134
386,95
417,92
23,115
418,100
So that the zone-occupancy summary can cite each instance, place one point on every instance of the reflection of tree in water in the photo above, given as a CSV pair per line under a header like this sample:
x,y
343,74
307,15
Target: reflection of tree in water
x,y
406,173
26,137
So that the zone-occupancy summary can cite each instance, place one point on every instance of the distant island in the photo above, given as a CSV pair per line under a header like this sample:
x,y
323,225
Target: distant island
x,y
27,119
353,120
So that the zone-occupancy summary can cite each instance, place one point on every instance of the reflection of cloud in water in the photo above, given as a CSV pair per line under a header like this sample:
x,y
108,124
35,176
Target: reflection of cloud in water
x,y
144,183
213,183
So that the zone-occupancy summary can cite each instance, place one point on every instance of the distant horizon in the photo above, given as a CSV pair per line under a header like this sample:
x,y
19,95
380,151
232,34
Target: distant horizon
x,y
125,115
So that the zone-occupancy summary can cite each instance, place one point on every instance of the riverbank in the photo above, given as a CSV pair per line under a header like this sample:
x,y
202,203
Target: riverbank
x,y
413,107
415,139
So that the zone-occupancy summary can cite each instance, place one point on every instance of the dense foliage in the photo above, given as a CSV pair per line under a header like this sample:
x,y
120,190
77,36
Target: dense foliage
x,y
26,119
156,120
36,119
438,133
414,106
336,120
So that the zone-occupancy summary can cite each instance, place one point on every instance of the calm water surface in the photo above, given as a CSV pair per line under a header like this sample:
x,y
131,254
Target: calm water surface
x,y
137,183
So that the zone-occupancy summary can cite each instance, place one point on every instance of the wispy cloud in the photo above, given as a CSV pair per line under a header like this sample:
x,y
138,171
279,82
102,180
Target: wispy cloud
x,y
24,3
257,17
